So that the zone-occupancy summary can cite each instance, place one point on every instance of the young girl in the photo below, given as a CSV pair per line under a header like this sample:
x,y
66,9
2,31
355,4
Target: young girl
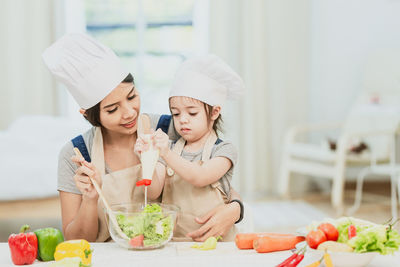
x,y
195,171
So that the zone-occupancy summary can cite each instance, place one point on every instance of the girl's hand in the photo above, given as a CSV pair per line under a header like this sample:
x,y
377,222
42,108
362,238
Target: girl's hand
x,y
217,222
160,140
140,145
143,142
82,180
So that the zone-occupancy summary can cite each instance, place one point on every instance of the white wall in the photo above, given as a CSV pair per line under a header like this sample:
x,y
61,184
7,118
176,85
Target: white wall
x,y
26,29
344,33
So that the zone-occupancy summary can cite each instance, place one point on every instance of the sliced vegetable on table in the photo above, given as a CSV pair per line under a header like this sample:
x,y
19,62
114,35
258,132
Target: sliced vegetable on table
x,y
23,246
74,248
209,244
48,239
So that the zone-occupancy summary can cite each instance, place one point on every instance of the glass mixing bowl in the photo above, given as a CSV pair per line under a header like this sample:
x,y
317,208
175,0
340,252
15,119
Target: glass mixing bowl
x,y
147,227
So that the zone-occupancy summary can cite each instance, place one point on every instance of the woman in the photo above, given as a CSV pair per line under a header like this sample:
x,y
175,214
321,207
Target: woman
x,y
110,101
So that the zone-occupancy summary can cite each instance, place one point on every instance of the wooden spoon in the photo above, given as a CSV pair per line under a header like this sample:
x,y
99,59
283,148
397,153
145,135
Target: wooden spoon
x,y
111,215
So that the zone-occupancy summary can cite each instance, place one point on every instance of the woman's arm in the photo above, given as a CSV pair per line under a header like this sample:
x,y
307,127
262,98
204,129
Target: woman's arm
x,y
79,212
218,221
79,216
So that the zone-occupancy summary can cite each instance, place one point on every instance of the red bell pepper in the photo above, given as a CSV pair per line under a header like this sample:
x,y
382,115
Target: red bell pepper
x,y
23,246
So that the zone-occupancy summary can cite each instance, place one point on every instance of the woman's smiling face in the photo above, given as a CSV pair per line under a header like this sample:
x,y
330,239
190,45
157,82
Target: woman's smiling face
x,y
120,109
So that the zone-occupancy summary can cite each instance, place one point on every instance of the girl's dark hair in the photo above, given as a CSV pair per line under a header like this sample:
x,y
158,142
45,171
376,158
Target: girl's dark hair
x,y
217,126
92,114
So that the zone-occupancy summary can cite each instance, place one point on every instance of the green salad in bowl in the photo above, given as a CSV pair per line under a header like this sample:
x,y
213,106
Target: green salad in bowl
x,y
351,242
147,227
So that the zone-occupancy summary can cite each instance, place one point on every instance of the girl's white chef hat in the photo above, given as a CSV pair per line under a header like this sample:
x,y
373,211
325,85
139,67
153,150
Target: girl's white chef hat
x,y
89,69
208,79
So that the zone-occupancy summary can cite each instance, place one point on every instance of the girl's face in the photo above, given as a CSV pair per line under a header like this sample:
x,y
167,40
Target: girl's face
x,y
120,109
190,118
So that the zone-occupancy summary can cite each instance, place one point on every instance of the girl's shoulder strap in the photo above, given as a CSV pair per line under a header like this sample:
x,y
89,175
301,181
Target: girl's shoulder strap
x,y
164,122
79,143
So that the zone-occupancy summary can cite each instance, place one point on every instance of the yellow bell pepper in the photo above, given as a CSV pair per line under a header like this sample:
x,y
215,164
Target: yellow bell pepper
x,y
328,260
74,248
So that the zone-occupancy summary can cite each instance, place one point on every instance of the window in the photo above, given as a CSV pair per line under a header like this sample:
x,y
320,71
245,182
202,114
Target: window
x,y
152,38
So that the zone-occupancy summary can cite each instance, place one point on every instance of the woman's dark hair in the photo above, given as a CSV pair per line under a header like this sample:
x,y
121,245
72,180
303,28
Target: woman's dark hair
x,y
92,114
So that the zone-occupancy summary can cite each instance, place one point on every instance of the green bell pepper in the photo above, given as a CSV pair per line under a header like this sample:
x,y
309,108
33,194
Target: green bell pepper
x,y
48,239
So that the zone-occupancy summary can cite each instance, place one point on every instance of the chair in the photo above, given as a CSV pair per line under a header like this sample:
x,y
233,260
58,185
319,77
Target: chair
x,y
391,169
372,119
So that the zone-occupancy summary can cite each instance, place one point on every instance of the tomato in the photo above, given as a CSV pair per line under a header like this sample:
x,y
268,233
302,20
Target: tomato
x,y
136,241
330,231
352,231
315,237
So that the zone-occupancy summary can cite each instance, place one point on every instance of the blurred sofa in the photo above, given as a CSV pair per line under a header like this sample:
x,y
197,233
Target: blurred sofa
x,y
29,158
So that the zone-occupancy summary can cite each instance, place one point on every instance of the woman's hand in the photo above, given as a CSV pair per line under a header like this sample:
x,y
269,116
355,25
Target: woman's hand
x,y
82,177
160,140
217,222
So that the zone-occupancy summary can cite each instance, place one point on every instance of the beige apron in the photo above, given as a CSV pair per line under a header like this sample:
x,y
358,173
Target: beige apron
x,y
118,187
193,201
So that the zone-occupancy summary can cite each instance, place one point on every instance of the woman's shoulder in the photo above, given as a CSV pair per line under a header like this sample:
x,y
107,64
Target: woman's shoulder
x,y
67,150
165,122
67,168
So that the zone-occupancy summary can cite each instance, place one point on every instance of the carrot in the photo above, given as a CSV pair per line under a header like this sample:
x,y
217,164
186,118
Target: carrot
x,y
276,243
245,240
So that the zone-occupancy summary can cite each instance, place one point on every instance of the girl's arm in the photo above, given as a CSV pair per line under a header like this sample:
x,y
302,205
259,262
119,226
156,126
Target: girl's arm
x,y
79,212
198,175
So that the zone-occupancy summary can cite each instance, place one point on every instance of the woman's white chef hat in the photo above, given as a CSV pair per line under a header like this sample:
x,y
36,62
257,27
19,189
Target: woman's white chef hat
x,y
208,79
89,69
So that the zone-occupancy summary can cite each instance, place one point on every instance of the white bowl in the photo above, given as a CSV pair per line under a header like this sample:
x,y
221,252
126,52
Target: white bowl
x,y
341,259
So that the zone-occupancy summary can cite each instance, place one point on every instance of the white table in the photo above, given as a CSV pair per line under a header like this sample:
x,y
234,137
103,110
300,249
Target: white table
x,y
180,254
